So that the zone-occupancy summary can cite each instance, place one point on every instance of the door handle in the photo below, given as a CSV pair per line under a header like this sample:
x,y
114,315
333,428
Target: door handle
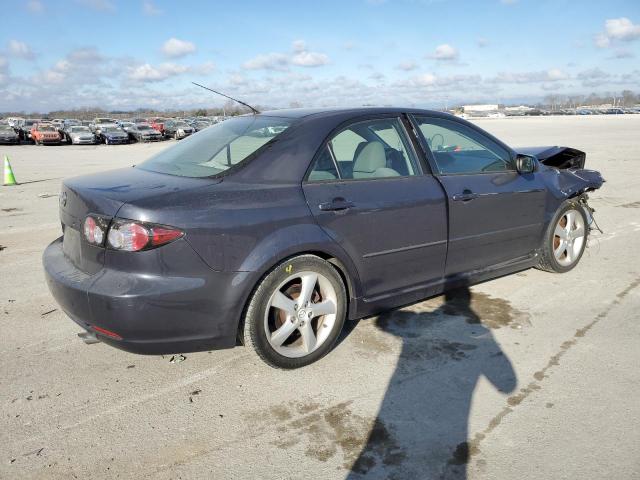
x,y
336,204
465,196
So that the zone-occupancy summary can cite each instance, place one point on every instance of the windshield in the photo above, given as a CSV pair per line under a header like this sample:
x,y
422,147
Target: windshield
x,y
45,128
217,148
111,130
145,127
6,127
79,129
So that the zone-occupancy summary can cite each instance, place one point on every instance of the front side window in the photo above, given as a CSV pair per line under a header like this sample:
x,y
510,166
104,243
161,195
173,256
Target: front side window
x,y
366,150
216,149
459,149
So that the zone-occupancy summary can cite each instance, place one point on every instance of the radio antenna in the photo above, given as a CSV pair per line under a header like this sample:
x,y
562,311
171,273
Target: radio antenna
x,y
254,110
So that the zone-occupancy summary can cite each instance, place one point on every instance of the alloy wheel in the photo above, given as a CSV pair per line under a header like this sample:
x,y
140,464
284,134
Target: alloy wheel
x,y
569,237
300,314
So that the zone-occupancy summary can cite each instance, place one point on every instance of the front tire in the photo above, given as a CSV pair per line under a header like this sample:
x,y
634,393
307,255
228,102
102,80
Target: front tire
x,y
296,313
565,239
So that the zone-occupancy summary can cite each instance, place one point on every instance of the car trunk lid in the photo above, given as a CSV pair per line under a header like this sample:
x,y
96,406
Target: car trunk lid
x,y
102,195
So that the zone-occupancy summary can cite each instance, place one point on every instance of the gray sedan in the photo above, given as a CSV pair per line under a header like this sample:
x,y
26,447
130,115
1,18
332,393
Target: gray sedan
x,y
80,135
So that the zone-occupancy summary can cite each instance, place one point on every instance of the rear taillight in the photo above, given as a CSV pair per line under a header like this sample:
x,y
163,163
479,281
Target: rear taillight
x,y
127,235
133,236
94,230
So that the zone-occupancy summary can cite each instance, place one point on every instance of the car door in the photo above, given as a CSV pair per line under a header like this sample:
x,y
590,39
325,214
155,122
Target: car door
x,y
368,192
496,214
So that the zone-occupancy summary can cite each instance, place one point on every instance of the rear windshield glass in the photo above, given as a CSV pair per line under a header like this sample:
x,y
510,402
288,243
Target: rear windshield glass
x,y
217,148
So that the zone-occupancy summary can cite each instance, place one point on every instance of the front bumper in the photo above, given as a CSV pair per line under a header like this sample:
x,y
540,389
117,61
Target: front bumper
x,y
118,141
83,141
152,314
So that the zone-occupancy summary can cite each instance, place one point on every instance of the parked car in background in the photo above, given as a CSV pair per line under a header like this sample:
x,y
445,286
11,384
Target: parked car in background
x,y
80,135
67,123
112,135
97,123
24,130
144,133
45,133
126,126
200,125
277,240
8,134
158,124
178,129
139,120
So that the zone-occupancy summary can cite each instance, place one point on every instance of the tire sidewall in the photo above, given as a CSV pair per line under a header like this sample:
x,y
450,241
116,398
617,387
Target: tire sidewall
x,y
568,205
254,320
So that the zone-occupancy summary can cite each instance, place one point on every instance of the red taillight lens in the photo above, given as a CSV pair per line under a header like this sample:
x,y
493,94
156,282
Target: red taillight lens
x,y
133,236
93,231
162,235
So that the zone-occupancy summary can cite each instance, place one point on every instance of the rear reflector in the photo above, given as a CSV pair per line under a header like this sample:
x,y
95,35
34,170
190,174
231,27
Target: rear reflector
x,y
108,333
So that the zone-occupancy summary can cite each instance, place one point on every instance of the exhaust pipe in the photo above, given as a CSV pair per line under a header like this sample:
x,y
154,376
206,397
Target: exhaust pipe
x,y
88,337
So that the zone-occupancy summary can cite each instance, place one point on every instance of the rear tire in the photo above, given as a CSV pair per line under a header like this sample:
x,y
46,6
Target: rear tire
x,y
565,239
296,313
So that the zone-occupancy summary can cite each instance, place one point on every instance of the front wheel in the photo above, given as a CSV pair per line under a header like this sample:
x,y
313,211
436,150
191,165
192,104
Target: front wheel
x,y
565,239
296,313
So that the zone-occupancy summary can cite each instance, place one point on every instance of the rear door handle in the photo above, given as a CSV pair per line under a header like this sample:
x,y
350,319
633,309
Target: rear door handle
x,y
336,204
465,196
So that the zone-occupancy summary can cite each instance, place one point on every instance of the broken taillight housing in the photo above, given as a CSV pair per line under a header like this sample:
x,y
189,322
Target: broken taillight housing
x,y
132,236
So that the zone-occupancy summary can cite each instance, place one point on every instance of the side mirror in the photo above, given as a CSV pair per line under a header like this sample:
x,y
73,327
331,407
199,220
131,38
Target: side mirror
x,y
525,163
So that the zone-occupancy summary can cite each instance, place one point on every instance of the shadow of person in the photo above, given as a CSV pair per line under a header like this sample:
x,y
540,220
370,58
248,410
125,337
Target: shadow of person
x,y
421,430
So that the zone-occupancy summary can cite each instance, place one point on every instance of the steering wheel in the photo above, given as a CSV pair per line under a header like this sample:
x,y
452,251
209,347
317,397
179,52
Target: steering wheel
x,y
432,141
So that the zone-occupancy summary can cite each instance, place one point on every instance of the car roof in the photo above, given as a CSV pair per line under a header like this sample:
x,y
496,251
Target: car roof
x,y
327,112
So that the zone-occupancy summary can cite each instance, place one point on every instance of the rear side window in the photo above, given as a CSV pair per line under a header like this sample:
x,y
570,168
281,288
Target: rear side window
x,y
217,148
366,150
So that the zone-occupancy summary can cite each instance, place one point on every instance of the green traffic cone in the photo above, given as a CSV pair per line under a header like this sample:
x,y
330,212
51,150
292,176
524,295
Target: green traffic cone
x,y
9,178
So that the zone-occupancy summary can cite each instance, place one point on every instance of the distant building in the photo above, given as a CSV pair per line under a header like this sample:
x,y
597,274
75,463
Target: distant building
x,y
482,109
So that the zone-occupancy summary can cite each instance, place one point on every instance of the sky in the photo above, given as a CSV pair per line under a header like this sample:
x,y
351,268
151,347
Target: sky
x,y
428,53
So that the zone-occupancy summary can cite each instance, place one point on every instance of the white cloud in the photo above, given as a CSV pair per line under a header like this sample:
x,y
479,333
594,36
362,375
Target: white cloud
x,y
175,48
445,52
299,46
4,71
149,8
309,59
269,61
100,5
35,6
300,56
551,75
149,73
601,40
622,53
20,49
407,66
622,29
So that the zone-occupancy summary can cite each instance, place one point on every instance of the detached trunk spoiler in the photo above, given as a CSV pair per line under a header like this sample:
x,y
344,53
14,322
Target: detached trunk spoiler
x,y
559,157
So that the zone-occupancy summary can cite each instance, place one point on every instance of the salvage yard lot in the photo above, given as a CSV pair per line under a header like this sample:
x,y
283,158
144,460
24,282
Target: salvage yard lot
x,y
538,377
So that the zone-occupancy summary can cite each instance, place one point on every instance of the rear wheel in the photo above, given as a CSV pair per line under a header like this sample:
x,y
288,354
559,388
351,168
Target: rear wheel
x,y
565,239
296,313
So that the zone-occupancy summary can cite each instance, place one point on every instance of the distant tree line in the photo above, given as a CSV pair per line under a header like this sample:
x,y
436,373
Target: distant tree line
x,y
626,98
